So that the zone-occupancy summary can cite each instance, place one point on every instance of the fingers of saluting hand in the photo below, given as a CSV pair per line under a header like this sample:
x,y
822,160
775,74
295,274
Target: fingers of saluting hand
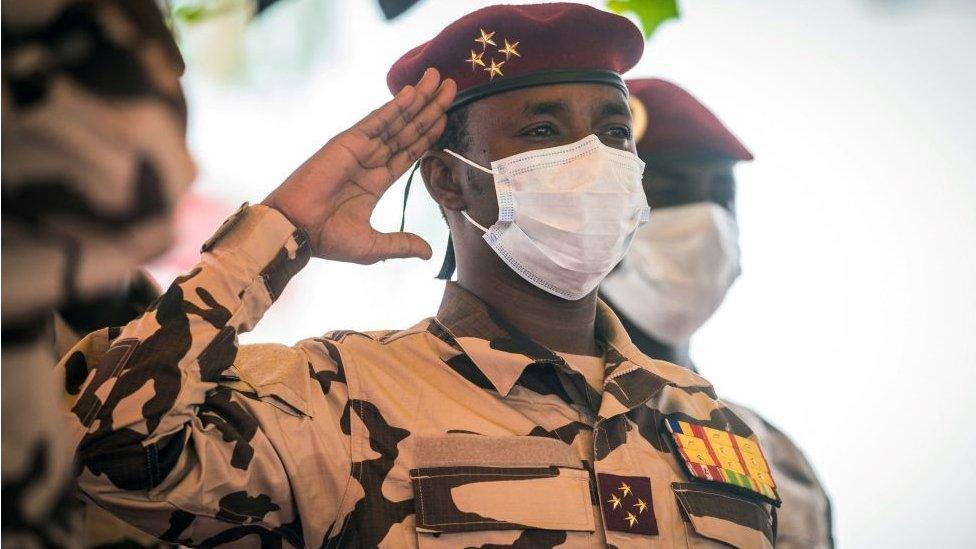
x,y
402,160
414,137
419,128
389,119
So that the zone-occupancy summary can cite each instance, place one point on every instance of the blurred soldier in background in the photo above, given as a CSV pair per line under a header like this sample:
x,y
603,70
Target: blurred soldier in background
x,y
94,159
682,263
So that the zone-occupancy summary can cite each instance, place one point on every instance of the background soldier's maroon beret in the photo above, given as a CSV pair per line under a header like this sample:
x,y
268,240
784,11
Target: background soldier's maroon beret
x,y
502,48
669,120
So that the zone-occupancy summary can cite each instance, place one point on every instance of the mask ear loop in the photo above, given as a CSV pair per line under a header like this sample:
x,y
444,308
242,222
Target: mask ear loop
x,y
469,162
472,221
450,262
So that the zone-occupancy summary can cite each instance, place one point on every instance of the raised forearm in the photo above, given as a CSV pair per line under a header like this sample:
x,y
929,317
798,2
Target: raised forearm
x,y
145,388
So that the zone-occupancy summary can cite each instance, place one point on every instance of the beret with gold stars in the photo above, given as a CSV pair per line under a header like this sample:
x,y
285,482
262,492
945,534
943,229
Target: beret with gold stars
x,y
502,48
669,120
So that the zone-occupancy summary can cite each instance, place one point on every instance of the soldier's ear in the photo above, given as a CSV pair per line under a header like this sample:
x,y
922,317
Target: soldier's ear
x,y
442,179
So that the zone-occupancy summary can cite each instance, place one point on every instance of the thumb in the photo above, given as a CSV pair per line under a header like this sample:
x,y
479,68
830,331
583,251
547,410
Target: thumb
x,y
399,245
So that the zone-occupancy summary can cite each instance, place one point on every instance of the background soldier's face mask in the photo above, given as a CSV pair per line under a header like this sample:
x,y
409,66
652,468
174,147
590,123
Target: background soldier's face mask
x,y
566,215
678,271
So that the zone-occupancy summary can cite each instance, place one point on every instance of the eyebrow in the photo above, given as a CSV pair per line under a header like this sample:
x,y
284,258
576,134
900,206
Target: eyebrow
x,y
544,107
613,108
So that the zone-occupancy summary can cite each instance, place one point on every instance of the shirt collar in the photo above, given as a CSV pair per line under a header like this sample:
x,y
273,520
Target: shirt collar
x,y
633,378
495,347
502,353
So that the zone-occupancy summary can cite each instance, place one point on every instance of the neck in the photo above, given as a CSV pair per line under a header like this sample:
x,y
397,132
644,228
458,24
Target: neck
x,y
556,323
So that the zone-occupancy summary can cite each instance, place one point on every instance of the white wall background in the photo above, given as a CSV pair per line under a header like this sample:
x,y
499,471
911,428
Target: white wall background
x,y
853,326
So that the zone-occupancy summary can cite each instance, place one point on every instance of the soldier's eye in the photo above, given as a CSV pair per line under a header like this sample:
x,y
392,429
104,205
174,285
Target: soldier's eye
x,y
619,132
542,130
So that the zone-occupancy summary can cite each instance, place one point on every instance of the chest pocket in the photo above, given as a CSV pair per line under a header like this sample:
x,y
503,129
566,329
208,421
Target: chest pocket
x,y
471,489
741,521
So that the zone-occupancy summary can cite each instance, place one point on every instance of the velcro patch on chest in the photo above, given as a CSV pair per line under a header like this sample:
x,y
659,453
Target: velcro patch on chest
x,y
724,457
626,504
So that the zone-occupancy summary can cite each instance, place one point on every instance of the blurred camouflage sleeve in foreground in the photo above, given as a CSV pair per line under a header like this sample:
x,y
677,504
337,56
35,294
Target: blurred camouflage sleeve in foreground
x,y
94,158
94,152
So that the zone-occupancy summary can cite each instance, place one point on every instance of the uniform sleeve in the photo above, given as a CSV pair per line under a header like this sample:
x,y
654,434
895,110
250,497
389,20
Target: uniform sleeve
x,y
164,446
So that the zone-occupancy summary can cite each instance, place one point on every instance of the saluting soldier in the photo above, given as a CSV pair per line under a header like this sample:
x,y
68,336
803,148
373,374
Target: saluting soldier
x,y
682,263
94,158
521,414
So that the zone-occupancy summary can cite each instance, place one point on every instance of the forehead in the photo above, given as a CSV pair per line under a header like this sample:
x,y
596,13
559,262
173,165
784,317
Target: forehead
x,y
575,99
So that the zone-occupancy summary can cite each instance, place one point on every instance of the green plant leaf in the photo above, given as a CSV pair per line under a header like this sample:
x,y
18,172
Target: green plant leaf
x,y
196,11
650,12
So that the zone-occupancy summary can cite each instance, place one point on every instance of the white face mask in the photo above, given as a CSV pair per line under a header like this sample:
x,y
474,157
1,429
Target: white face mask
x,y
678,270
566,215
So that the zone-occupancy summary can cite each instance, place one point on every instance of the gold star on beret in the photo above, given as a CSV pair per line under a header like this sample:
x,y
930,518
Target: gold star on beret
x,y
475,59
509,50
485,39
494,68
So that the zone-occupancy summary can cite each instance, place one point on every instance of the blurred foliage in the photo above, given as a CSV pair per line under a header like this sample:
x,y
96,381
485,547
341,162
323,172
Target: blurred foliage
x,y
194,11
651,13
234,43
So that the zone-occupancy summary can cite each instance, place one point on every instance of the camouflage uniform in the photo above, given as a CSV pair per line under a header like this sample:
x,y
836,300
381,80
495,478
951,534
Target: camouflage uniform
x,y
459,431
93,158
805,516
102,529
804,519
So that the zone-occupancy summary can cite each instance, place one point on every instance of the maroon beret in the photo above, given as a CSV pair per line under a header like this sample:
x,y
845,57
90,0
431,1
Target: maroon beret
x,y
502,48
669,120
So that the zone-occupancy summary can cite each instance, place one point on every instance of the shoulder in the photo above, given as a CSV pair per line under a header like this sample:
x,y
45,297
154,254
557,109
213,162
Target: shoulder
x,y
427,327
666,373
264,363
425,337
270,370
269,367
680,375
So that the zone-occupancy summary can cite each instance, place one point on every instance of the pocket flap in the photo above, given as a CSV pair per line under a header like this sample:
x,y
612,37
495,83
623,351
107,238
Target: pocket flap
x,y
740,521
466,483
479,450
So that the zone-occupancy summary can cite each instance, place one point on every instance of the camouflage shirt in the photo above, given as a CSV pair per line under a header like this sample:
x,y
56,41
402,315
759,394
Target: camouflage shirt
x,y
805,520
459,431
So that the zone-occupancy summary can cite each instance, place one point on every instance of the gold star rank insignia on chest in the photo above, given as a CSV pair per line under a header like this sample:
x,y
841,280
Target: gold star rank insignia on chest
x,y
626,504
724,457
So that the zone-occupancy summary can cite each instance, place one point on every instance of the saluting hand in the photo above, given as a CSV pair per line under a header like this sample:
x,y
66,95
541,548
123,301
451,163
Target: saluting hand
x,y
332,195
